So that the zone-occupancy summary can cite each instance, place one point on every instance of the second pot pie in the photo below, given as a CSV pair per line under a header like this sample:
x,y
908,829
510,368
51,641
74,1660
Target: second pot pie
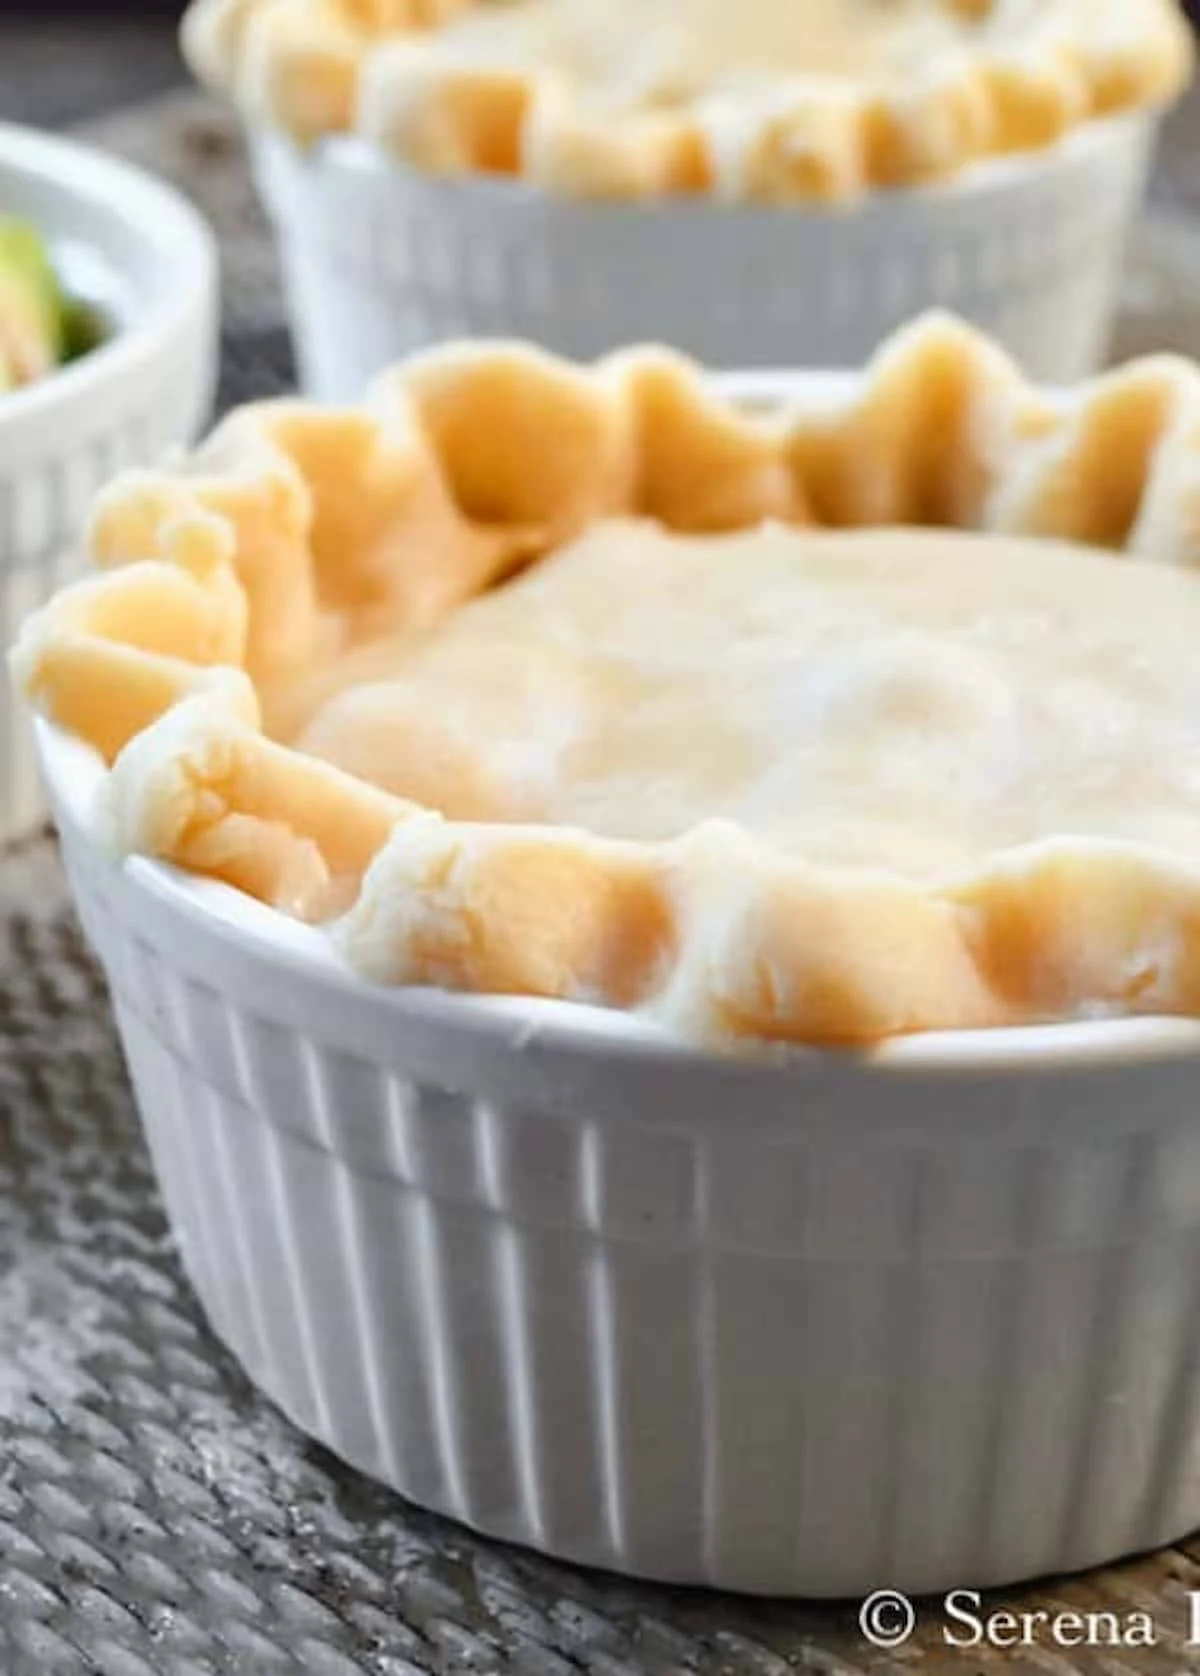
x,y
768,100
822,726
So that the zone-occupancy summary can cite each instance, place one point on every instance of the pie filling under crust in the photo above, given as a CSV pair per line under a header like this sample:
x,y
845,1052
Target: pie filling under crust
x,y
771,100
823,725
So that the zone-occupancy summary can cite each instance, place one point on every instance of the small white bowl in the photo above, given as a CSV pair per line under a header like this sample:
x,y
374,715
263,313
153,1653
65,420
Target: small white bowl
x,y
922,1318
141,253
381,260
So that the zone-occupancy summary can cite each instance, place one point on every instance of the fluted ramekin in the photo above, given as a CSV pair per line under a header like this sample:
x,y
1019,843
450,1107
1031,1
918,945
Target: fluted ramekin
x,y
150,262
921,1318
380,260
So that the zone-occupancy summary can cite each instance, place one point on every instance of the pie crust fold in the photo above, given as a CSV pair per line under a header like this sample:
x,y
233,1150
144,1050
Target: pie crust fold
x,y
297,534
611,99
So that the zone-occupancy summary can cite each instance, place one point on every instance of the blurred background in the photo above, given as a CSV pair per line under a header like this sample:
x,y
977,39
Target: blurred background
x,y
103,67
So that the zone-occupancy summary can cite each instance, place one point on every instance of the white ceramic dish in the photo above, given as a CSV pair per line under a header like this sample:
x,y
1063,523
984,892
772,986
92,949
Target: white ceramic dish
x,y
146,258
380,261
921,1318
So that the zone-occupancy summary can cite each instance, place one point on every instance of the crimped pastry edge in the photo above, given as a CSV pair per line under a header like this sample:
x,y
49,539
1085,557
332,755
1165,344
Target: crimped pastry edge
x,y
711,933
303,67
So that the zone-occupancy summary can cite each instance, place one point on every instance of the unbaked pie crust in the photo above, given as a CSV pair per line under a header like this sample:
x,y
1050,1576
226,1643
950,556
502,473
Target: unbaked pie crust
x,y
821,725
772,101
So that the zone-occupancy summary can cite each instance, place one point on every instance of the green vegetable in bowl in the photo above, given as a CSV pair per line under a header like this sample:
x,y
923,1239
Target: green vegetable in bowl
x,y
41,328
83,329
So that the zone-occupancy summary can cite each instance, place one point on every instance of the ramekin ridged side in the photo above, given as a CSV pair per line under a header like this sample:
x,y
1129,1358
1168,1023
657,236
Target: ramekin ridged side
x,y
922,1321
380,261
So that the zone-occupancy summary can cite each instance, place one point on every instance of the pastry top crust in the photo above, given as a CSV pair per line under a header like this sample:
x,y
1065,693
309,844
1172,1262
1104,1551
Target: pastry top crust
x,y
299,538
771,101
898,700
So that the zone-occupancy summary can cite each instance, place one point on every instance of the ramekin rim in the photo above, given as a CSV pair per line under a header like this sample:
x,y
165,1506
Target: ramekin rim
x,y
360,156
74,772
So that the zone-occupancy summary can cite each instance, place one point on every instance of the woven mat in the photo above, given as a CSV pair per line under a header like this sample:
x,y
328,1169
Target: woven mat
x,y
158,1518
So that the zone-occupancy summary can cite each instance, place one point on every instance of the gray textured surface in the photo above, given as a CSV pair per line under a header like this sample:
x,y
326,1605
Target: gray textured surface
x,y
156,1517
59,67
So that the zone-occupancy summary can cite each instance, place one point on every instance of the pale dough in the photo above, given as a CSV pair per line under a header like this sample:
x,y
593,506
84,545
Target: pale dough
x,y
907,700
633,51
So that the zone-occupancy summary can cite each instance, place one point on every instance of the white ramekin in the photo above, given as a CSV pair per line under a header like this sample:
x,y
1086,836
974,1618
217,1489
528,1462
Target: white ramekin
x,y
150,261
918,1319
380,260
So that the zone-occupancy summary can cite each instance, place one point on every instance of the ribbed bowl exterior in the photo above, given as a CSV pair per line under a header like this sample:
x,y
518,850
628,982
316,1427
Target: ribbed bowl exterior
x,y
808,1330
380,261
67,456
